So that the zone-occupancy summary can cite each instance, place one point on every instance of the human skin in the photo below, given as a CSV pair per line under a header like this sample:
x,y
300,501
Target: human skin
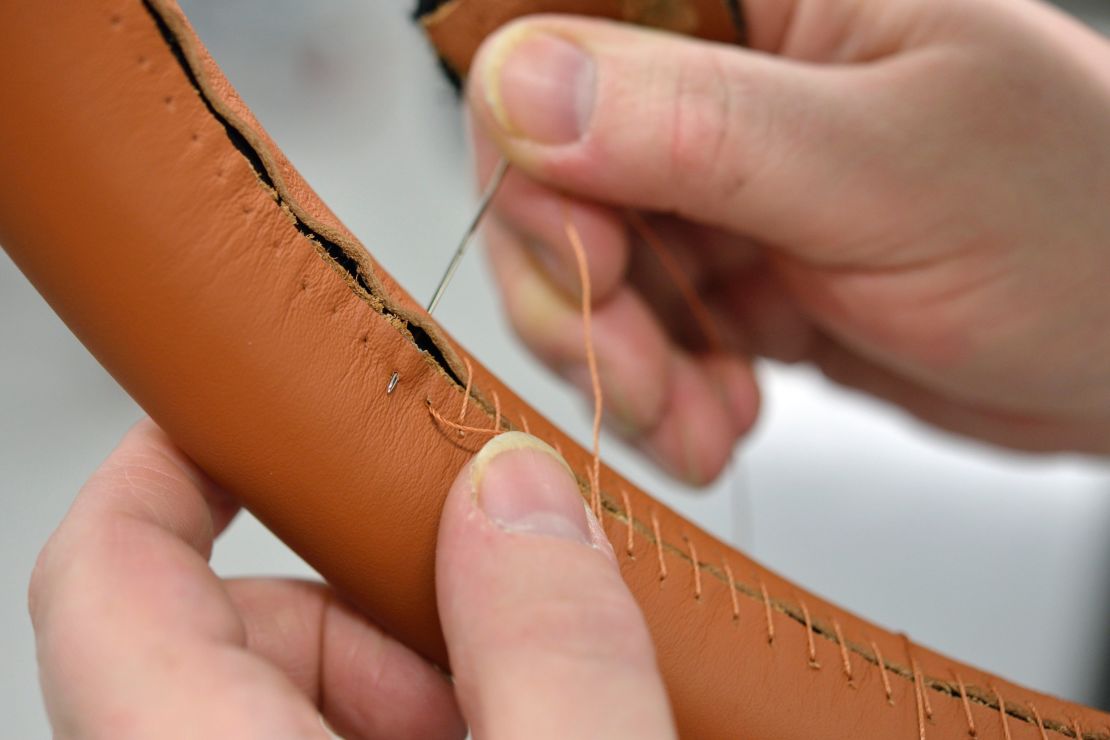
x,y
912,196
138,638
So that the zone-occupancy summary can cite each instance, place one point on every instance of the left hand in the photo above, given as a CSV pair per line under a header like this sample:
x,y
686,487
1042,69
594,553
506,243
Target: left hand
x,y
138,638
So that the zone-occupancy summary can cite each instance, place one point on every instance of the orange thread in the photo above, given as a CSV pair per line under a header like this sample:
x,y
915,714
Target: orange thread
x,y
920,679
767,613
917,693
883,674
659,547
1002,714
682,282
591,356
845,659
810,644
630,542
924,691
967,706
460,427
496,413
1040,722
466,392
524,425
732,592
697,569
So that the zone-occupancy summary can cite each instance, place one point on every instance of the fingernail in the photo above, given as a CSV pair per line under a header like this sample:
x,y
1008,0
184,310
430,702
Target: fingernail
x,y
524,486
539,86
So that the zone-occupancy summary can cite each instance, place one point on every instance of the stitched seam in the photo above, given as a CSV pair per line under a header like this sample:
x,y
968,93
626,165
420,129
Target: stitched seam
x,y
338,257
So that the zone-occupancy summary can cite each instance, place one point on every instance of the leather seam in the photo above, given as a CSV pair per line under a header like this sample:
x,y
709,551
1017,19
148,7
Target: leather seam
x,y
345,256
364,287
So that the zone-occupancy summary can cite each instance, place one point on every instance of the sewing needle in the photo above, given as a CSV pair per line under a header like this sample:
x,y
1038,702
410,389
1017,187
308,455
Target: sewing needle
x,y
453,266
483,205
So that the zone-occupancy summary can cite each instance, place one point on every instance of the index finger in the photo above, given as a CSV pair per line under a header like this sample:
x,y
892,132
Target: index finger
x,y
135,634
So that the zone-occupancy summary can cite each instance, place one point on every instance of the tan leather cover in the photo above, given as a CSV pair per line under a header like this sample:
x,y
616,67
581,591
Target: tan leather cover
x,y
458,26
145,203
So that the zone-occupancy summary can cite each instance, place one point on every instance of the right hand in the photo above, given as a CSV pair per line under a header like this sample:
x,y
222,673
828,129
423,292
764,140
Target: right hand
x,y
912,195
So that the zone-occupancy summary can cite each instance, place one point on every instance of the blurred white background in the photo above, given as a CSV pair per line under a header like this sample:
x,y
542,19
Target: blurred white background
x,y
1000,559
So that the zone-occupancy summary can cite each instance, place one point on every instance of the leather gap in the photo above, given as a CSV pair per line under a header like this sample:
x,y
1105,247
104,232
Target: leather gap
x,y
334,251
341,259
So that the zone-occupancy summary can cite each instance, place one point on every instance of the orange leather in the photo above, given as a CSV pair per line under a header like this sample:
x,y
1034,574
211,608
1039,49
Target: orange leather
x,y
147,205
458,27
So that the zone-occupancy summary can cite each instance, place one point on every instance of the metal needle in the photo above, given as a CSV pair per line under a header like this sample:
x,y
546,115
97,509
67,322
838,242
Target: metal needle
x,y
453,267
487,197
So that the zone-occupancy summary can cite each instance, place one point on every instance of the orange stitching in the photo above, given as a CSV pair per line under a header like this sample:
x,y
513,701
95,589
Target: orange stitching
x,y
917,693
466,392
1040,722
732,592
524,424
883,674
1002,714
918,679
575,240
845,659
767,613
630,544
810,644
460,427
697,569
659,547
497,413
967,706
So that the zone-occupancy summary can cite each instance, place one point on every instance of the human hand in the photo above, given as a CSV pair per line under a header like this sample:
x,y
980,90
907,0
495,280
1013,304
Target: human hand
x,y
138,638
913,196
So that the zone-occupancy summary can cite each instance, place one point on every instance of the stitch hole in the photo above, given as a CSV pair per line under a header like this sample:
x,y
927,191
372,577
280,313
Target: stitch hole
x,y
115,21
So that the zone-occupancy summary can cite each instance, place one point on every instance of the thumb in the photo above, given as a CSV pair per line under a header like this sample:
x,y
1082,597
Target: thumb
x,y
544,638
649,120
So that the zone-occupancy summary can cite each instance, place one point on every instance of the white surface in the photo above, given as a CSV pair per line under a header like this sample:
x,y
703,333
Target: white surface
x,y
999,559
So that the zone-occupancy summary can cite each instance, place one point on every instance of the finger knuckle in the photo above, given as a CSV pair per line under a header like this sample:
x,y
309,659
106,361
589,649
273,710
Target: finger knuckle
x,y
704,146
